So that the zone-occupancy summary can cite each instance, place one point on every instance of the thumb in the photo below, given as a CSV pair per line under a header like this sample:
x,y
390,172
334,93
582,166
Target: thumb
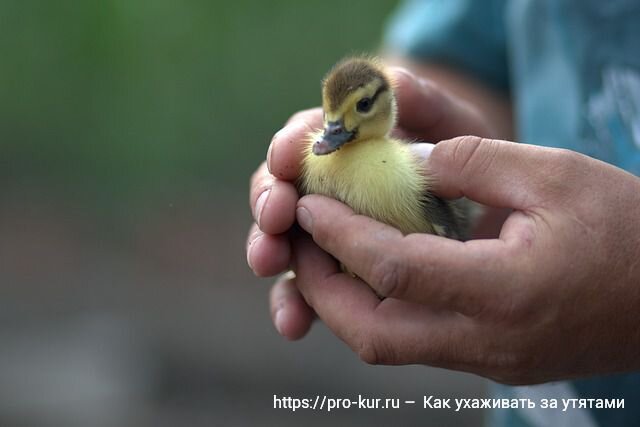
x,y
492,172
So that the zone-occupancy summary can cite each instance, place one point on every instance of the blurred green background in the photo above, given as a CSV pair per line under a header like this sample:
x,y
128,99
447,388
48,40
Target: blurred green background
x,y
129,130
121,100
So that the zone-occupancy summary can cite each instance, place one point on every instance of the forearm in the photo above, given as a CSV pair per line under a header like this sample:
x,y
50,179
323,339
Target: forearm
x,y
493,105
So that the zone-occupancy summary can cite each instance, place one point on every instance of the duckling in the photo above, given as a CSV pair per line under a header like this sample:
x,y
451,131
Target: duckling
x,y
356,161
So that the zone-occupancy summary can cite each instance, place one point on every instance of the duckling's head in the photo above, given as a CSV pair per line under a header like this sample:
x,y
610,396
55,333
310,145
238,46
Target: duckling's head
x,y
358,104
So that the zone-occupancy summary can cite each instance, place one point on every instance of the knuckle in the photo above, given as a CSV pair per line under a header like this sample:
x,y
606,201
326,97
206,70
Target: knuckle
x,y
459,149
367,353
561,159
570,166
390,276
563,171
474,155
372,350
516,365
565,155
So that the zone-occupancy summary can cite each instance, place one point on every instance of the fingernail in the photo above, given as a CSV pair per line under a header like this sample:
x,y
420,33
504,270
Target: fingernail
x,y
253,240
269,157
270,150
422,150
279,320
262,199
304,219
249,257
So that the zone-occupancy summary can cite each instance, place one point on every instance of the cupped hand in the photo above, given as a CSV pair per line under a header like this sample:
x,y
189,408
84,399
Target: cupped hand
x,y
554,296
426,113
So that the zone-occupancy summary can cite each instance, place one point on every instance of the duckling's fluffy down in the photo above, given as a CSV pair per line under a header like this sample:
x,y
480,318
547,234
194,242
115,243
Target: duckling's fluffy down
x,y
379,178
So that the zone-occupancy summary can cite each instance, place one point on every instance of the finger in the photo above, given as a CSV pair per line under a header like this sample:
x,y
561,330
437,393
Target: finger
x,y
487,221
286,150
291,315
272,201
380,332
267,254
431,113
412,333
427,269
497,173
316,269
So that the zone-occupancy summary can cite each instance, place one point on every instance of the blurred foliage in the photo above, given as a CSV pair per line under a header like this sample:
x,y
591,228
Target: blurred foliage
x,y
118,99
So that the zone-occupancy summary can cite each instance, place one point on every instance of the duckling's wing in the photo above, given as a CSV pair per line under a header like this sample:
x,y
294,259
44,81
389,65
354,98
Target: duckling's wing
x,y
448,217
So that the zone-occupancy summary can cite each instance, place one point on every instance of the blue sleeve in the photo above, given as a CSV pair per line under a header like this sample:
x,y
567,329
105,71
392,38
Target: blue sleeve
x,y
467,34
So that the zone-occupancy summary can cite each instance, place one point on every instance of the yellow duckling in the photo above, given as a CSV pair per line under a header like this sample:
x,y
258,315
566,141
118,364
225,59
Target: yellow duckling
x,y
354,159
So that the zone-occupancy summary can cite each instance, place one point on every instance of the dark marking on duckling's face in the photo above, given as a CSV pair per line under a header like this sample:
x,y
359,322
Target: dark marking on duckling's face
x,y
358,104
347,76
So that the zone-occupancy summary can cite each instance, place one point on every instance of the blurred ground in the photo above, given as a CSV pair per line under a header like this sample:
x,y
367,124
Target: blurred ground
x,y
169,328
127,134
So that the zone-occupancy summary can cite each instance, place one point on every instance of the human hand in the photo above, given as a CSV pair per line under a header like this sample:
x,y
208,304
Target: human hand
x,y
555,296
426,112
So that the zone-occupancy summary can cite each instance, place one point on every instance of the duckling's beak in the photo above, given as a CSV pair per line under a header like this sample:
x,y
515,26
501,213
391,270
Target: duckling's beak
x,y
335,136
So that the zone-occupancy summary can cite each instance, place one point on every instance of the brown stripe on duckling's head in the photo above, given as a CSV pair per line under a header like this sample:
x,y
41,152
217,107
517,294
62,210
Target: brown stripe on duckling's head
x,y
347,76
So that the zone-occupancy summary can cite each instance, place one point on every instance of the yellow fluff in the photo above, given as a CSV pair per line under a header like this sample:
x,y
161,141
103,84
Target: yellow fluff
x,y
353,159
380,179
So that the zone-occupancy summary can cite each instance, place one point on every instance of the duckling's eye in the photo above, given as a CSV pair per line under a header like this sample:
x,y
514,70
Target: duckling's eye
x,y
364,105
